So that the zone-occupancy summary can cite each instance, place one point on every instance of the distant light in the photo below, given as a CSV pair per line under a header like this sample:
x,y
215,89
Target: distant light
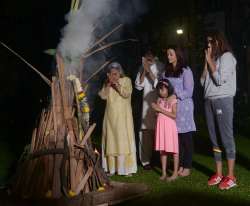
x,y
179,31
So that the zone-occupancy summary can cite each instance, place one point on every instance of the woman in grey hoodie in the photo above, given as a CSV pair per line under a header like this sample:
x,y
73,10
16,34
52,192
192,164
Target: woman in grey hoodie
x,y
219,82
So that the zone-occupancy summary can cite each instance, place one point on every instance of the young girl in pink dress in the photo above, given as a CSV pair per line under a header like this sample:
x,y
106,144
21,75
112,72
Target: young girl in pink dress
x,y
166,135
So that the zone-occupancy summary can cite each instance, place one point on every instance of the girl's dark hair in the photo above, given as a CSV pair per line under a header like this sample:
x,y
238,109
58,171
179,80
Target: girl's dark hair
x,y
170,71
165,83
219,43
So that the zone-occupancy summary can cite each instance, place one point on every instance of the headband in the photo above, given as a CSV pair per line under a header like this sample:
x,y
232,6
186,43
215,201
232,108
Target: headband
x,y
165,83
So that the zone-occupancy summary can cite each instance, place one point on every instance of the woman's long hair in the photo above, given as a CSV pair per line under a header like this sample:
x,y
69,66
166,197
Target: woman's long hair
x,y
170,71
219,43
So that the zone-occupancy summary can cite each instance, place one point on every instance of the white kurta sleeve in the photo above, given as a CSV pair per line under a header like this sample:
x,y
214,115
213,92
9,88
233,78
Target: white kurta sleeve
x,y
138,84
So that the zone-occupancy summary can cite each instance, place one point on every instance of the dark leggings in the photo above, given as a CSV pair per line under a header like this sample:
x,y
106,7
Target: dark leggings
x,y
185,149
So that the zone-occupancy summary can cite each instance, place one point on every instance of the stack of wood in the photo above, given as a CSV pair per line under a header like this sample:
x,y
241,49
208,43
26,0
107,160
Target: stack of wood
x,y
61,160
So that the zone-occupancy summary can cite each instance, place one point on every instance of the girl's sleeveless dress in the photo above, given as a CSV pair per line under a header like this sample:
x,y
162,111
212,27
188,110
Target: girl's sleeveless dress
x,y
166,135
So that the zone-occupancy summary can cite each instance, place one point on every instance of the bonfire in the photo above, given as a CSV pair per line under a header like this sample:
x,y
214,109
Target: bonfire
x,y
61,160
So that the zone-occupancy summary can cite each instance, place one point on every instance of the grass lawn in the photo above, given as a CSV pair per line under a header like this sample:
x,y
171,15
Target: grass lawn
x,y
192,190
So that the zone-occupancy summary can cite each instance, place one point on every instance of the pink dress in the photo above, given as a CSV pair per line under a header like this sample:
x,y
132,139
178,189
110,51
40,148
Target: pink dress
x,y
166,135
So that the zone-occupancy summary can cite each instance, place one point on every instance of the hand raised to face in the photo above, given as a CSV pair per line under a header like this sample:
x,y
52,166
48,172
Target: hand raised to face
x,y
113,76
208,54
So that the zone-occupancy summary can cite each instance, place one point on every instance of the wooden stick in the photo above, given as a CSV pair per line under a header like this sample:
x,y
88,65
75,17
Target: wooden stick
x,y
103,38
56,183
79,114
79,170
32,67
98,70
87,135
33,140
67,112
40,129
84,180
53,96
60,66
60,121
43,130
47,128
51,169
107,46
72,163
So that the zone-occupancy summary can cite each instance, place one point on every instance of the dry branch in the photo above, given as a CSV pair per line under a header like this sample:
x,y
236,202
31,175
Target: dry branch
x,y
98,70
31,66
107,46
103,38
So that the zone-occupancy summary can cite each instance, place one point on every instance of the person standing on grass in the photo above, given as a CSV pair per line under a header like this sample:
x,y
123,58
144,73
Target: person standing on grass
x,y
146,80
118,140
166,136
181,77
219,82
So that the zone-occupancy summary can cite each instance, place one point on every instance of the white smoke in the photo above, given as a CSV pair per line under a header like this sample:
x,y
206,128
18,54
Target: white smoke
x,y
77,34
94,16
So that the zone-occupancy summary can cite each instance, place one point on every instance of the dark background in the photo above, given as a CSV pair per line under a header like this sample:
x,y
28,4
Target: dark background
x,y
30,27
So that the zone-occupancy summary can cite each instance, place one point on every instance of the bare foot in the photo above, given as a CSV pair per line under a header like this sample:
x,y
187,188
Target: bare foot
x,y
180,170
172,178
186,172
163,177
109,174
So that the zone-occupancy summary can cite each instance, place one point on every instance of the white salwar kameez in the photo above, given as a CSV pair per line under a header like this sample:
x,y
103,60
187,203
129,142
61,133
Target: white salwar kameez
x,y
118,140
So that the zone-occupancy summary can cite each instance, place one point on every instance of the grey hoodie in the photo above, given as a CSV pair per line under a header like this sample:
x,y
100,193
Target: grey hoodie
x,y
222,83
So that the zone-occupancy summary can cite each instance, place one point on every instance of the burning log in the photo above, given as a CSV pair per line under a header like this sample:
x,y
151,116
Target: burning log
x,y
61,159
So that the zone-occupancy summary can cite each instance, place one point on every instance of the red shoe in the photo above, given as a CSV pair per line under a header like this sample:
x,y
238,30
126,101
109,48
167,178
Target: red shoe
x,y
214,180
227,183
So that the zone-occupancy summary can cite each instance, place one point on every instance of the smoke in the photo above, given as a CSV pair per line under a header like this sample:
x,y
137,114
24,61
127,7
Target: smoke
x,y
93,19
77,34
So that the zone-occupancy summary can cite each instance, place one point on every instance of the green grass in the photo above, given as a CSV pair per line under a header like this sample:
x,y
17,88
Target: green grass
x,y
193,190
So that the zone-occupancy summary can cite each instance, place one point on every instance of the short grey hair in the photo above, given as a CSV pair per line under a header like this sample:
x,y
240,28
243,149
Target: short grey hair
x,y
117,66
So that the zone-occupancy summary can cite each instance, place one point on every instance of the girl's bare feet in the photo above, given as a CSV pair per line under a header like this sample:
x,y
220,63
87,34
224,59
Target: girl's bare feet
x,y
180,170
186,172
163,177
172,178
